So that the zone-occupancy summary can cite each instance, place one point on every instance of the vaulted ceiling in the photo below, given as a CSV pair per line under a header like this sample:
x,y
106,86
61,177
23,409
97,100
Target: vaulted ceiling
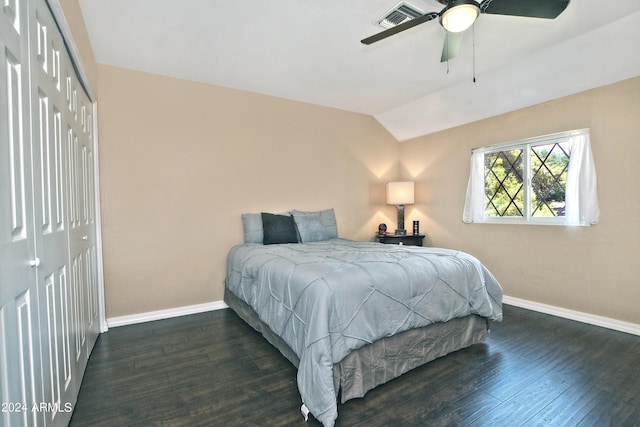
x,y
310,51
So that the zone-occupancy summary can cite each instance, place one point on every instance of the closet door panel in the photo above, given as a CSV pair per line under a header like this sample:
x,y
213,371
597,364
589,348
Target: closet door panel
x,y
61,373
87,226
49,317
82,218
19,345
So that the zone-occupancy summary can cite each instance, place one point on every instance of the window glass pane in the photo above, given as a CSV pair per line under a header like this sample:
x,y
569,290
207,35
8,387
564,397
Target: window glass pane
x,y
549,165
504,193
526,182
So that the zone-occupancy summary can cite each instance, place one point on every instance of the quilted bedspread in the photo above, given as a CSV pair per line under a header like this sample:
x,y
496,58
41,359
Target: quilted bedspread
x,y
328,298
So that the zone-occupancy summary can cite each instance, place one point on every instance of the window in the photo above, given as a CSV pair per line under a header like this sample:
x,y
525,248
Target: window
x,y
544,180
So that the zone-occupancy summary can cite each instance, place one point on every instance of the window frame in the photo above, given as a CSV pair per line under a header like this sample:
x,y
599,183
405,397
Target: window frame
x,y
526,146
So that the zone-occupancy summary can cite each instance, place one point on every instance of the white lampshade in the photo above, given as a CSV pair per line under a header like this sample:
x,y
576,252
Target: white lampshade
x,y
400,193
460,15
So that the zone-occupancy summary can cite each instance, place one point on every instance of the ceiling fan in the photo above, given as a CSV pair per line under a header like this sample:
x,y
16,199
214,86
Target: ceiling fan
x,y
458,15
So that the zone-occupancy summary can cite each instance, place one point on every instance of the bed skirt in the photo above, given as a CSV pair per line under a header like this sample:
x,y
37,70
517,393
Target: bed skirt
x,y
383,360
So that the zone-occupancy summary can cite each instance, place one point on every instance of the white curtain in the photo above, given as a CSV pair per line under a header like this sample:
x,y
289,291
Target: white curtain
x,y
474,201
581,195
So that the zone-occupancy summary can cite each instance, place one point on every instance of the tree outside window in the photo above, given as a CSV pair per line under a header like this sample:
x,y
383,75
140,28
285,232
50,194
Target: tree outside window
x,y
537,173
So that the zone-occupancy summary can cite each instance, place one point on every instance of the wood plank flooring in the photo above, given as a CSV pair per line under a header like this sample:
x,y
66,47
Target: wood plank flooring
x,y
212,369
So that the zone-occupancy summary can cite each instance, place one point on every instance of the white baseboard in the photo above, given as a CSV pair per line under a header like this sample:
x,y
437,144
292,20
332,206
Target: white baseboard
x,y
592,319
605,322
114,322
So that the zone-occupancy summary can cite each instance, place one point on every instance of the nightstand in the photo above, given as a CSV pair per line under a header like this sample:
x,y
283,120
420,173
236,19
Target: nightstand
x,y
394,239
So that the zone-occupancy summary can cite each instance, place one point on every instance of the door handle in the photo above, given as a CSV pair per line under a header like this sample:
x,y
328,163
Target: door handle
x,y
34,262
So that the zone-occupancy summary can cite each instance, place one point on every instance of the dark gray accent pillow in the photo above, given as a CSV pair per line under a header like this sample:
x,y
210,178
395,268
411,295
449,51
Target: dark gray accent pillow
x,y
278,229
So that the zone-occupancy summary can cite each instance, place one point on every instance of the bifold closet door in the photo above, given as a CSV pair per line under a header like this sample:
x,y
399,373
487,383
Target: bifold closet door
x,y
61,279
49,317
81,219
19,329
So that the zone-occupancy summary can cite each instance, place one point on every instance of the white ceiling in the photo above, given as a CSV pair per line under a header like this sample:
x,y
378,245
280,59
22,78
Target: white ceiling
x,y
310,51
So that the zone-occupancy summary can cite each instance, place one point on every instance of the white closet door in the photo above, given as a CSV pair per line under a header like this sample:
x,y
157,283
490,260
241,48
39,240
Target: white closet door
x,y
82,222
49,317
19,332
50,113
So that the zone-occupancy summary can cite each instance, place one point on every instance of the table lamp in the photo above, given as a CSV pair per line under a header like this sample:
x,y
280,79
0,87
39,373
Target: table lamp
x,y
400,193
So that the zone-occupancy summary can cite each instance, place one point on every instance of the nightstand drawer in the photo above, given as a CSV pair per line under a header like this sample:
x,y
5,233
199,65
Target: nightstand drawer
x,y
409,239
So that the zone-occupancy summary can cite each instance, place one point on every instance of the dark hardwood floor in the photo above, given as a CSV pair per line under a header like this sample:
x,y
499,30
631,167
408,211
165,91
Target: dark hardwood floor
x,y
212,369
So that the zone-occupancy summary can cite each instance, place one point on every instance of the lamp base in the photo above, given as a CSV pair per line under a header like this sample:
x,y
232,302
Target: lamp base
x,y
400,231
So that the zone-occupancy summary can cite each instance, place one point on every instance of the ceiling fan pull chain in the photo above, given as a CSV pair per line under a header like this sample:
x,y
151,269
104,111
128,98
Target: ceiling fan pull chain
x,y
446,46
473,38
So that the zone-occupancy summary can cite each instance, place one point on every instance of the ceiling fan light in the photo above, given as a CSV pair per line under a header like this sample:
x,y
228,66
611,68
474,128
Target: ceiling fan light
x,y
459,16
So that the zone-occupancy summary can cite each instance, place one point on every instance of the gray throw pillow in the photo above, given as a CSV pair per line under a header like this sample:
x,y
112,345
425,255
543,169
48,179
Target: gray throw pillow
x,y
316,226
252,226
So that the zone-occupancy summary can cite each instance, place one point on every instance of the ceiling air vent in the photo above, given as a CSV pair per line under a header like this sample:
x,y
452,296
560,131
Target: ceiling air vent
x,y
401,12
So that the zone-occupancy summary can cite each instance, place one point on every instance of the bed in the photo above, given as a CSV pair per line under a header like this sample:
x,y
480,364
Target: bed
x,y
353,315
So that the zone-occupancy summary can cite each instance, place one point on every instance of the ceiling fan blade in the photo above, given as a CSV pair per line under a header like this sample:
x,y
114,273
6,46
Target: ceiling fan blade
x,y
451,47
399,28
548,9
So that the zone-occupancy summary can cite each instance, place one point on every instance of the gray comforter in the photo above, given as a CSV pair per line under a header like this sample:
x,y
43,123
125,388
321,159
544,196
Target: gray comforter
x,y
326,299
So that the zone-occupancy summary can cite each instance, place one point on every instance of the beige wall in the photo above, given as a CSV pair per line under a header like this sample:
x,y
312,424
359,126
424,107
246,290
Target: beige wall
x,y
180,161
591,269
73,15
